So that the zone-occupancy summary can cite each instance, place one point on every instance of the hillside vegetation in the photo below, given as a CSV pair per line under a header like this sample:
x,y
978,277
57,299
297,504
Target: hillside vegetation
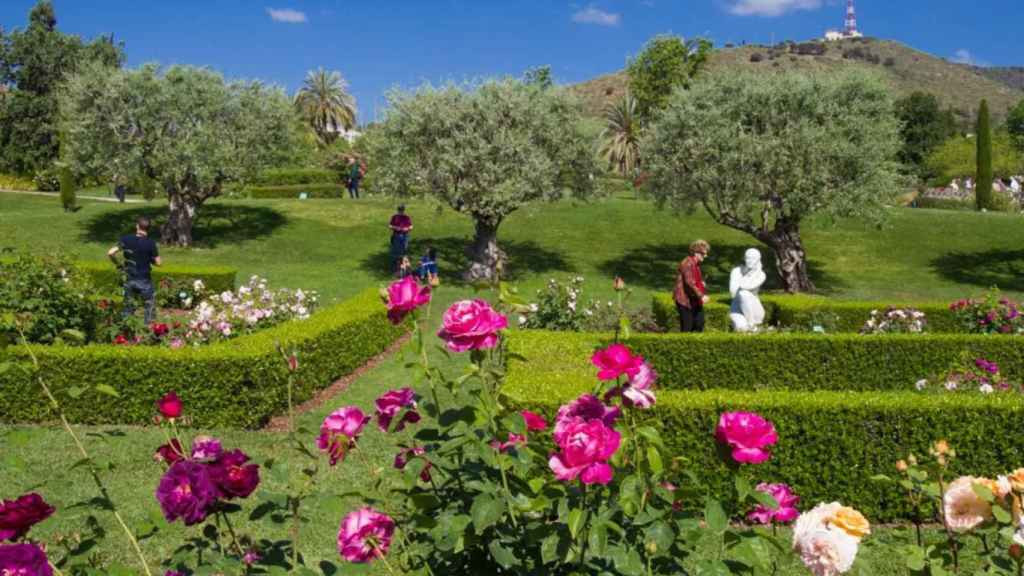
x,y
956,85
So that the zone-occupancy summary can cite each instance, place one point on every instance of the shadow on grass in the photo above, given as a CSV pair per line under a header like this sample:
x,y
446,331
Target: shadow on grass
x,y
523,258
654,266
215,224
1001,268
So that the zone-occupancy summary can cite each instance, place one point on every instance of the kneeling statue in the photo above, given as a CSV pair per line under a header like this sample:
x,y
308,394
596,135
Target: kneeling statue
x,y
746,313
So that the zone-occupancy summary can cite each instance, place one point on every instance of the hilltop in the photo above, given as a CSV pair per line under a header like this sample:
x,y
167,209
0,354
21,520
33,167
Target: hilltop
x,y
957,85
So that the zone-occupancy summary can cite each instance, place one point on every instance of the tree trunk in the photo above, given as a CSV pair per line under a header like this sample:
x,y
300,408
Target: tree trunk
x,y
181,215
486,259
790,258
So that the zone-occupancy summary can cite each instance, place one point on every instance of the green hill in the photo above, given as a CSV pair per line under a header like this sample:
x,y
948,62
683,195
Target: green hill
x,y
957,85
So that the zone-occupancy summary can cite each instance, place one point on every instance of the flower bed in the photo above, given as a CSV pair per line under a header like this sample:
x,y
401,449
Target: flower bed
x,y
805,312
235,383
838,438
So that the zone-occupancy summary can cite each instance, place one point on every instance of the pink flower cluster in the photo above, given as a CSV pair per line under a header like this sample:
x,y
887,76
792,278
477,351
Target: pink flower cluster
x,y
251,307
339,432
584,434
618,360
405,296
471,325
748,435
784,512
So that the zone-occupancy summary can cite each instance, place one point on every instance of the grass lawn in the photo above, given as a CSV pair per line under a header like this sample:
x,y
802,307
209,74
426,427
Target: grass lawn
x,y
340,248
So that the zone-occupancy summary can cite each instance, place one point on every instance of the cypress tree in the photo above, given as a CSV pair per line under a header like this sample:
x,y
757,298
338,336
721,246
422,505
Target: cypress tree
x,y
983,183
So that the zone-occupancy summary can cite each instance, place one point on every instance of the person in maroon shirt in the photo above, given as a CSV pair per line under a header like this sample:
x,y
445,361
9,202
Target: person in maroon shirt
x,y
690,293
400,226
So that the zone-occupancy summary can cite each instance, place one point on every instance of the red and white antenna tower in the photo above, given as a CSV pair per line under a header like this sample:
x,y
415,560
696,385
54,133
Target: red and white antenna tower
x,y
851,19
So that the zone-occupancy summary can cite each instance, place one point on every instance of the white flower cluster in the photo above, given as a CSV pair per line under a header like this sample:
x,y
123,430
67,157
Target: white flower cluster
x,y
249,308
827,538
895,320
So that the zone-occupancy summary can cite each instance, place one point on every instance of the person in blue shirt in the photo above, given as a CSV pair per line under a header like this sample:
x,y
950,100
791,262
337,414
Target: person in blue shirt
x,y
428,266
140,255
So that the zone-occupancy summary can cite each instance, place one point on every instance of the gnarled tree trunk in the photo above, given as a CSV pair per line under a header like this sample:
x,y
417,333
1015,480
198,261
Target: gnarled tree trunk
x,y
486,259
790,257
180,218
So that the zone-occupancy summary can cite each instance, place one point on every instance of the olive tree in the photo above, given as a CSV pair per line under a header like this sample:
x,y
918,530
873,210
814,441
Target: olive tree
x,y
484,150
185,128
761,153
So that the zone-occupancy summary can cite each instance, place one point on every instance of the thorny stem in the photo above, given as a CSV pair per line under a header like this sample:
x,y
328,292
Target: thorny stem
x,y
231,530
85,455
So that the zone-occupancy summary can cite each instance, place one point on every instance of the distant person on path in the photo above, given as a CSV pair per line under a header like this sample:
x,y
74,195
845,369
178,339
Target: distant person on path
x,y
355,174
428,267
140,254
690,293
400,226
119,192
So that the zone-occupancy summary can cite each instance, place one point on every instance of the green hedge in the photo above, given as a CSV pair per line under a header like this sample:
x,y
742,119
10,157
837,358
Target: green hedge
x,y
293,191
830,442
108,279
294,176
237,383
800,310
943,203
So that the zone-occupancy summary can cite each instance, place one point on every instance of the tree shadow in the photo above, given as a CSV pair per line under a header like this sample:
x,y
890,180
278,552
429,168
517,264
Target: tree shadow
x,y
215,224
1001,268
654,266
523,258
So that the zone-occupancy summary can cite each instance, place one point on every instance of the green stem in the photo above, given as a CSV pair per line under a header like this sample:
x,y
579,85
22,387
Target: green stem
x,y
231,530
296,527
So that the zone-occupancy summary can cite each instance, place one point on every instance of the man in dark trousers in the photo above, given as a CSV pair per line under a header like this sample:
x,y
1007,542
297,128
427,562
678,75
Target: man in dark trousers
x,y
690,293
140,255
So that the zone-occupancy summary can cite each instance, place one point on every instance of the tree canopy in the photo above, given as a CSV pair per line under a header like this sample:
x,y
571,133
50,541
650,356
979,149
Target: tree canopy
x,y
925,126
186,128
1015,124
485,150
665,63
957,158
326,105
761,153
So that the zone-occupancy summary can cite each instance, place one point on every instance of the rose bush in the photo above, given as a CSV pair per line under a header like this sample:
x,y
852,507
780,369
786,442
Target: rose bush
x,y
989,314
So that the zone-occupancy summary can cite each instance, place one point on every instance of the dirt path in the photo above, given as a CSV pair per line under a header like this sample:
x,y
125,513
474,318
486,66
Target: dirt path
x,y
55,195
280,423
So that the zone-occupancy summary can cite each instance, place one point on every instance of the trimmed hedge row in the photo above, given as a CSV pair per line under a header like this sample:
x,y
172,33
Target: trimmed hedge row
x,y
106,278
294,176
800,310
830,442
293,191
236,383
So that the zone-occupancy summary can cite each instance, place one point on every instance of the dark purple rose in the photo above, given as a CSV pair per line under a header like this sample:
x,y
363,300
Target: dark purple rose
x,y
233,477
391,403
186,492
24,560
17,516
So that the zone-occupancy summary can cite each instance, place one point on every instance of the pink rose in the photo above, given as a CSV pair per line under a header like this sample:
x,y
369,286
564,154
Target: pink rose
x,y
786,511
471,325
365,534
405,296
534,422
748,434
640,391
616,360
169,406
406,454
340,430
513,441
586,408
586,447
391,403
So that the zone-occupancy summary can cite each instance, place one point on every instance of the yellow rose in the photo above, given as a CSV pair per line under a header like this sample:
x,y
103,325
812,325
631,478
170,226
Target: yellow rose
x,y
850,521
1017,479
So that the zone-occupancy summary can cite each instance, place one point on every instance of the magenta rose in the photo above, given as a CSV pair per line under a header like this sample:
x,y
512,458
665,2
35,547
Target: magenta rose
x,y
24,560
340,430
586,447
169,453
233,477
616,360
406,454
17,516
640,391
786,511
587,407
405,296
534,422
365,534
186,492
206,448
391,403
169,406
471,325
748,435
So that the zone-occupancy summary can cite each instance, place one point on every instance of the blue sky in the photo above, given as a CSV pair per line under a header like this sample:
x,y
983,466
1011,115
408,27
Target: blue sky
x,y
383,43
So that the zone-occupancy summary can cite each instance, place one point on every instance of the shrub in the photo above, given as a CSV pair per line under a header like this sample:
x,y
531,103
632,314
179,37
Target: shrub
x,y
811,49
252,307
11,182
889,62
107,279
54,297
943,203
294,190
237,383
895,320
294,176
831,441
47,180
67,189
756,57
990,314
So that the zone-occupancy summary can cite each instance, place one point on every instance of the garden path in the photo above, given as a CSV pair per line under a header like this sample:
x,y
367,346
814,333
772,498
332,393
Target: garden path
x,y
80,197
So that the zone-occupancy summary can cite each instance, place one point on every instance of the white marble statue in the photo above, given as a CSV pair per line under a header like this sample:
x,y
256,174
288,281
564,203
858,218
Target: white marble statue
x,y
746,313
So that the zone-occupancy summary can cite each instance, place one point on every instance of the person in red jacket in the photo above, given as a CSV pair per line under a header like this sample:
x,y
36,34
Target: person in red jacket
x,y
690,293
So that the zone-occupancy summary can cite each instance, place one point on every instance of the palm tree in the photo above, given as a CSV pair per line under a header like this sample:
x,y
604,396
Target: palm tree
x,y
620,140
325,103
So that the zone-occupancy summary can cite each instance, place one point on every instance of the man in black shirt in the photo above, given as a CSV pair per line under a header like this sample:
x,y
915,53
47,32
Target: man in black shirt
x,y
140,253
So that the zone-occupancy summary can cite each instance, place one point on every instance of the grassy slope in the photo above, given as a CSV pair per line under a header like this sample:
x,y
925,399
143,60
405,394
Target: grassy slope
x,y
337,247
959,86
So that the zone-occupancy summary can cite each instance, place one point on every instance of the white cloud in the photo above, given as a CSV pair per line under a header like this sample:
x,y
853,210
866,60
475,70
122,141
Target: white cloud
x,y
964,56
592,15
770,7
286,15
